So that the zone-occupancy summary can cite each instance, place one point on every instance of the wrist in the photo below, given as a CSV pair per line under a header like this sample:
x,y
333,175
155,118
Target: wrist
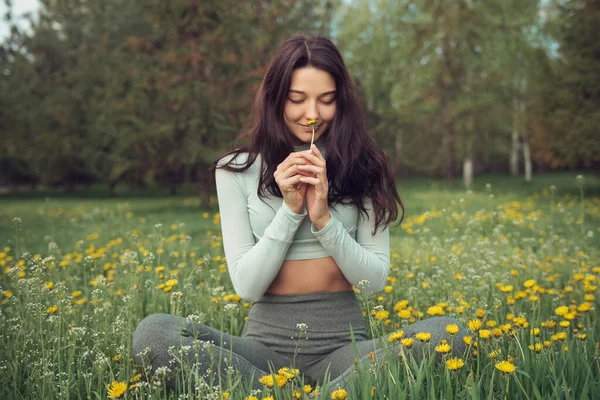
x,y
322,222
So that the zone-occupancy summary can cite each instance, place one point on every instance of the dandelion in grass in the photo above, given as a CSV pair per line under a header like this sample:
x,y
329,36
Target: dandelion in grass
x,y
474,325
289,373
485,333
339,394
452,329
407,342
116,390
495,354
454,363
395,336
435,310
562,310
467,340
443,347
423,337
505,367
270,380
536,347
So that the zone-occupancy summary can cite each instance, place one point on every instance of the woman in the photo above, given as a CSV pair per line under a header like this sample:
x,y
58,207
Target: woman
x,y
301,225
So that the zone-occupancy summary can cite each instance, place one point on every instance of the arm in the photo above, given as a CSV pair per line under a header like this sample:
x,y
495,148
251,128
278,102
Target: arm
x,y
252,266
366,258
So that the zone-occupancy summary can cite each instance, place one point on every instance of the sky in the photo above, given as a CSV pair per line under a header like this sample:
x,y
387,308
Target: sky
x,y
19,7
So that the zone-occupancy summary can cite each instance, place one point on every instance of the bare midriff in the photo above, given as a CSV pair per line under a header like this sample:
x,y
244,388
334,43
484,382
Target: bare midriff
x,y
309,276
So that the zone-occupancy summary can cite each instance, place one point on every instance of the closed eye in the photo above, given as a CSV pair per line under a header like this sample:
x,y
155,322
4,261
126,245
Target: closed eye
x,y
302,101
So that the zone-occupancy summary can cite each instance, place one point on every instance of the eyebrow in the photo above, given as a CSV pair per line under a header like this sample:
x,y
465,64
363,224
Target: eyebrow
x,y
322,94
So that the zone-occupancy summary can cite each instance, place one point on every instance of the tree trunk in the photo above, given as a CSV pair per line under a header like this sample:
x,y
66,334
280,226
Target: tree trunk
x,y
468,172
450,149
204,179
514,152
527,158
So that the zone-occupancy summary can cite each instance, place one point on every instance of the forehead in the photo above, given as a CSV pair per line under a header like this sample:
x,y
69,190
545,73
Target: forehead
x,y
312,80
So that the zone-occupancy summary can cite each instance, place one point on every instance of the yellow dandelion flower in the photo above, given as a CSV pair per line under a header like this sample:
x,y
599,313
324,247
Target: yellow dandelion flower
x,y
171,282
52,309
435,310
535,331
505,367
561,336
467,340
289,373
485,333
495,354
584,307
307,389
339,394
454,363
381,315
423,337
443,347
76,294
551,324
562,310
404,314
564,324
452,329
529,283
395,336
537,347
474,325
407,342
116,390
506,288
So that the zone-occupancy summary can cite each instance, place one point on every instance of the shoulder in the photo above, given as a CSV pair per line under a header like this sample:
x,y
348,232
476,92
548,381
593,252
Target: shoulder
x,y
234,160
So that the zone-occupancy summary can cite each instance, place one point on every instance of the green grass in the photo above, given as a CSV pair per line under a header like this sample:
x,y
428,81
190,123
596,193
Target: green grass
x,y
471,254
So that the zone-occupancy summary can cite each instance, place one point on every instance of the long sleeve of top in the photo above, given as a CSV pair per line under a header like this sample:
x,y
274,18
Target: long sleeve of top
x,y
366,258
260,234
252,265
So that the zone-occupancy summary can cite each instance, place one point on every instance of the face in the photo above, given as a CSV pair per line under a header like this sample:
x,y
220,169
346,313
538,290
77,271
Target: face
x,y
312,95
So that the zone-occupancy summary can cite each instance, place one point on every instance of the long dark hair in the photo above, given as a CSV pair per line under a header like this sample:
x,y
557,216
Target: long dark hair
x,y
356,166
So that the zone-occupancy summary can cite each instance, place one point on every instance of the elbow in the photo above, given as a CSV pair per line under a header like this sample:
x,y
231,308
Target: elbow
x,y
377,282
247,292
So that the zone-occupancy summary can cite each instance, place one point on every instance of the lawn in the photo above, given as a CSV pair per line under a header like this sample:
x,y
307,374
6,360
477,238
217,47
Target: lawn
x,y
516,263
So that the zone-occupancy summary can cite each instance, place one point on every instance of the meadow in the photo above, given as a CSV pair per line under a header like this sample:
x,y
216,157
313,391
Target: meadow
x,y
517,264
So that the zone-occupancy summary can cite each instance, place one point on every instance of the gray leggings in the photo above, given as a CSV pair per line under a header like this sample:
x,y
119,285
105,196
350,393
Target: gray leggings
x,y
271,339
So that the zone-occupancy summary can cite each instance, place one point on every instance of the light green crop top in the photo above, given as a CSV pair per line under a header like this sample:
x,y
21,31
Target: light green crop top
x,y
259,234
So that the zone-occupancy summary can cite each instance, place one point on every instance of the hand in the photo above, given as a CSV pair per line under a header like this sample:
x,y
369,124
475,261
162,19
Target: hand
x,y
287,176
318,189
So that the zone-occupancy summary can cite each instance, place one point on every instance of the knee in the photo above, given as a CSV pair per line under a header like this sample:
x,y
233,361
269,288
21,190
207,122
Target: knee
x,y
150,334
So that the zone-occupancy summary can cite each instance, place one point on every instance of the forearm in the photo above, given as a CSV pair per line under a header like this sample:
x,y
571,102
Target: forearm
x,y
366,261
253,267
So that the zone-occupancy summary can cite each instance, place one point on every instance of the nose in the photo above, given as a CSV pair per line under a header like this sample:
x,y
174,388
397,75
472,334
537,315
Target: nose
x,y
311,111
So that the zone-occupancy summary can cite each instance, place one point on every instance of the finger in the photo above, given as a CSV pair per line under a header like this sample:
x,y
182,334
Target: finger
x,y
291,184
291,171
314,159
312,168
292,159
